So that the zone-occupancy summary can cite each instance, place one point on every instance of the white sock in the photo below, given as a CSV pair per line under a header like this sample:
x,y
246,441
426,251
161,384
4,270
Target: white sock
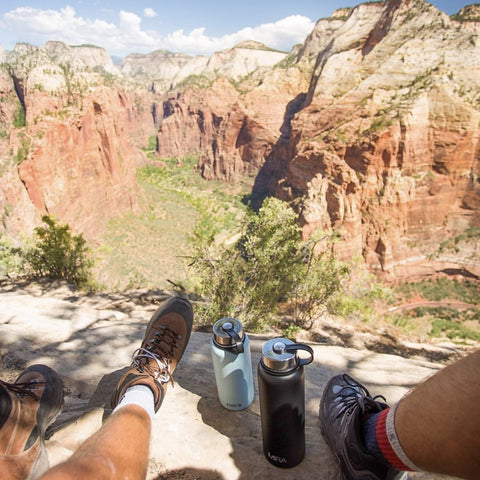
x,y
139,395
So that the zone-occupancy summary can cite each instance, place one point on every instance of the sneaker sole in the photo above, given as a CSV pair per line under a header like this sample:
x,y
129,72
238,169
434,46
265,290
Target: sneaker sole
x,y
49,408
52,399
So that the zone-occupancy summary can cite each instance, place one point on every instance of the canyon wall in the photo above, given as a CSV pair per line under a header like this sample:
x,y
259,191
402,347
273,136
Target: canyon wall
x,y
70,138
371,128
386,146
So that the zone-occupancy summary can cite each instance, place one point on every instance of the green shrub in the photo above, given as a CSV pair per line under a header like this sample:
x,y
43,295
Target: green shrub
x,y
267,267
152,143
453,330
20,117
11,258
319,278
291,332
22,151
270,258
60,255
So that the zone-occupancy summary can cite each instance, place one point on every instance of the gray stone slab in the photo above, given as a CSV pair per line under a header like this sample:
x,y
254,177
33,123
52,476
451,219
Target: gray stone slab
x,y
193,436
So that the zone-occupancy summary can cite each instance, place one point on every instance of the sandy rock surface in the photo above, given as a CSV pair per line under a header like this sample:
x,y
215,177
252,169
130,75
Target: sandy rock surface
x,y
89,342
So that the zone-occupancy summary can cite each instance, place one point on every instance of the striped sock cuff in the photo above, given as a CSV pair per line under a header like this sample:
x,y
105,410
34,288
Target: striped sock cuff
x,y
395,442
388,442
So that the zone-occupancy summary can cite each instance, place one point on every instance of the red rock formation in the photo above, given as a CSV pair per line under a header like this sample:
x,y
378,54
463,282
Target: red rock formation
x,y
232,132
75,156
372,128
83,169
393,161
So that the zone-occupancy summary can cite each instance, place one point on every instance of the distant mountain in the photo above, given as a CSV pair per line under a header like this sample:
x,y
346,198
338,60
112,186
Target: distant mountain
x,y
167,69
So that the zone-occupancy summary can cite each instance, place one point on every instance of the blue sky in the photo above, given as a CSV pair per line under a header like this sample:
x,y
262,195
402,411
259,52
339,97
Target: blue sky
x,y
189,26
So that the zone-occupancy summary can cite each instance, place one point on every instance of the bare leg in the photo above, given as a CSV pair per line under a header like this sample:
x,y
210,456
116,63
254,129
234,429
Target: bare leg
x,y
118,450
438,423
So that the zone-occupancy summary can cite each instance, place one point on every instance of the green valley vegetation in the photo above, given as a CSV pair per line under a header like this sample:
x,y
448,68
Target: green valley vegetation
x,y
148,249
201,237
19,118
440,308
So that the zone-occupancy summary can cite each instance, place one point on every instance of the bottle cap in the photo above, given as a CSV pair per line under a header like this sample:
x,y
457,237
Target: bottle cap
x,y
280,354
275,357
228,333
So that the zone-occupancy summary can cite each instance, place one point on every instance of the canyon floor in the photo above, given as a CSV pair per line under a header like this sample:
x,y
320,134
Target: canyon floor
x,y
88,339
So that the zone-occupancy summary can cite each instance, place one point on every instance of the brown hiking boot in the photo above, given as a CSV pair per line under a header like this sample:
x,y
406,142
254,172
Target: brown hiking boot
x,y
165,340
27,407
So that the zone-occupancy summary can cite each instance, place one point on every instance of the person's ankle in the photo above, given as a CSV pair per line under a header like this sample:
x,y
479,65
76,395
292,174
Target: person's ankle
x,y
139,395
380,439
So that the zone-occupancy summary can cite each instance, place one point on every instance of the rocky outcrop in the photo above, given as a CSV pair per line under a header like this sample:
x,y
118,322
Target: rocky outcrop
x,y
68,147
76,334
81,56
382,145
386,146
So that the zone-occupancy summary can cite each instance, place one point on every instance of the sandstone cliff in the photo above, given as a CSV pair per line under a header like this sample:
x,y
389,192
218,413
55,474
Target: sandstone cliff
x,y
382,145
161,67
386,146
371,127
70,151
231,130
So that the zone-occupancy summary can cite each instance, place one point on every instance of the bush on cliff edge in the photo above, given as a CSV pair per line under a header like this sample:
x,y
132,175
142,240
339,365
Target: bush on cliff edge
x,y
267,268
60,255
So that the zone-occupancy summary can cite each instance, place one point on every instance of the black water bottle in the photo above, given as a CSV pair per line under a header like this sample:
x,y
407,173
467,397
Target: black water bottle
x,y
281,385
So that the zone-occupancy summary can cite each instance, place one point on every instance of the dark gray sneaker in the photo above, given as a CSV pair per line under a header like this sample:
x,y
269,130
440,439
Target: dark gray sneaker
x,y
165,340
343,403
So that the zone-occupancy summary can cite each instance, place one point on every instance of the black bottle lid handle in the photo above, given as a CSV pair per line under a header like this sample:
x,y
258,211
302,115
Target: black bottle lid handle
x,y
237,347
294,347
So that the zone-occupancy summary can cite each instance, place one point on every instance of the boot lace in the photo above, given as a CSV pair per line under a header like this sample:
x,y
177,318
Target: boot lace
x,y
156,356
353,396
160,370
24,388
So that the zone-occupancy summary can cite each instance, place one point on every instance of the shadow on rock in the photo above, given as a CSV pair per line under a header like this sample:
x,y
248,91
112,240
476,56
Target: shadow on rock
x,y
190,474
103,393
243,428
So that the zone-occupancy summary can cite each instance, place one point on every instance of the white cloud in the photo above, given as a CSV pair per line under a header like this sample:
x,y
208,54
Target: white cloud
x,y
149,12
38,26
281,35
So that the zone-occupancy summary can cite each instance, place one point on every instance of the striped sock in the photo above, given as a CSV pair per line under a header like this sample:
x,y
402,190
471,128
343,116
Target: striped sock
x,y
381,440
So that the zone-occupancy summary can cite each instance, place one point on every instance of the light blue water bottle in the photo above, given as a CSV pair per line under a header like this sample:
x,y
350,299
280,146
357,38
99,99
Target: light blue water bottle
x,y
232,364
